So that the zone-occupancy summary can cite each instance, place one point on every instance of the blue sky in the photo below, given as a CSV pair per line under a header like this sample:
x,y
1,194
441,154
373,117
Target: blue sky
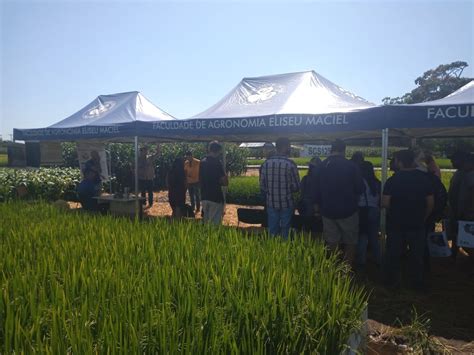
x,y
184,56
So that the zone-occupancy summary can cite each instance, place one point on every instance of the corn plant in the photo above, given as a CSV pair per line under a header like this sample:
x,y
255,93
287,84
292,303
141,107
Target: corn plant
x,y
76,283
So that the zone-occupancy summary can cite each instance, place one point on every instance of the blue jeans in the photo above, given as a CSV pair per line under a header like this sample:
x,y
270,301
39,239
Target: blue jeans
x,y
370,238
396,242
279,221
195,196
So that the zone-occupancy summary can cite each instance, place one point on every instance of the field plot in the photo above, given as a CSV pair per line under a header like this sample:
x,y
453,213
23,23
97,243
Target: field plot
x,y
76,283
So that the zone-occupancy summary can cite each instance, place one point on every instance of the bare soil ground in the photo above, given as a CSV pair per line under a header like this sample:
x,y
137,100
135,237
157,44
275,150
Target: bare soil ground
x,y
449,304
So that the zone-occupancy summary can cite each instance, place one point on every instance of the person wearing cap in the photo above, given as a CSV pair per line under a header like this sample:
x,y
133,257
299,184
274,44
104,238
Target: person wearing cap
x,y
146,172
279,180
408,198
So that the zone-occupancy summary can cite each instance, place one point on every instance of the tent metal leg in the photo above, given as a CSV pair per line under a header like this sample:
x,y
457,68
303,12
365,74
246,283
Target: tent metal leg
x,y
383,214
137,206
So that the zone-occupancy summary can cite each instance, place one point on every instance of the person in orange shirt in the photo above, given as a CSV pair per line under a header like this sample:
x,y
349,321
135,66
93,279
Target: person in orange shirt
x,y
191,168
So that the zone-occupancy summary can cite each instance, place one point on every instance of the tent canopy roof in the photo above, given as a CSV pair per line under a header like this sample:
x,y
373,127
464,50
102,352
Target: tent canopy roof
x,y
294,93
463,95
115,109
108,117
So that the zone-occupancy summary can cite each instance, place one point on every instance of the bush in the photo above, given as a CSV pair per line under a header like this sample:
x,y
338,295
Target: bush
x,y
123,159
245,190
75,283
44,183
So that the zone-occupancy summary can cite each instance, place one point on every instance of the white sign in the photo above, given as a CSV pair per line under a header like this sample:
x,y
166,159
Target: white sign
x,y
311,150
466,234
84,154
438,245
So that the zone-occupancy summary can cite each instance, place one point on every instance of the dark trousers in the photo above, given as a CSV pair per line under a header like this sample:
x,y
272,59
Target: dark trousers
x,y
397,240
195,196
146,186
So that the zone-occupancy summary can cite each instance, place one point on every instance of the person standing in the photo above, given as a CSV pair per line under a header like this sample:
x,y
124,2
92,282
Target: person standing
x,y
369,216
458,161
409,199
212,178
92,166
177,188
340,186
146,172
279,179
191,168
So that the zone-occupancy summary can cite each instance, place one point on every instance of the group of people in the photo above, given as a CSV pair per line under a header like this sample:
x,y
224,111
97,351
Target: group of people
x,y
203,179
345,194
349,198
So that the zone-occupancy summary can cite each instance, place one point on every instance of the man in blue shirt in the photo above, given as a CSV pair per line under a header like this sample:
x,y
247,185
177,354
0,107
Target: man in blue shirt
x,y
340,185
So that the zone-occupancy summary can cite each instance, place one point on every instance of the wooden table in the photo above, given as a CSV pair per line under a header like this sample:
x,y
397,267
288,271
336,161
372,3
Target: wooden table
x,y
122,206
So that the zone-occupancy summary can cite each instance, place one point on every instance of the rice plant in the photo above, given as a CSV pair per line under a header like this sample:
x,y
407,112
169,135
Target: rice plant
x,y
76,283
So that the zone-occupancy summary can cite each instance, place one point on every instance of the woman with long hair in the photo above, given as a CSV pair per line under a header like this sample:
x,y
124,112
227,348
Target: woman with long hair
x,y
177,188
369,215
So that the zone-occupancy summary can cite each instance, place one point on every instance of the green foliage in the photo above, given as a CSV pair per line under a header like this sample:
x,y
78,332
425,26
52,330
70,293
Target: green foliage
x,y
44,183
76,283
123,159
434,84
244,190
3,160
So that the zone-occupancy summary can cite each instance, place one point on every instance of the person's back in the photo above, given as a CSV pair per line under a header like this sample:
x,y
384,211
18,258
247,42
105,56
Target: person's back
x,y
279,180
408,190
210,173
212,177
340,187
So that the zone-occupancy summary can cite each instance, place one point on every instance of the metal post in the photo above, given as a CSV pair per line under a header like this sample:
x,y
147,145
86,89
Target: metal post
x,y
383,217
137,213
224,162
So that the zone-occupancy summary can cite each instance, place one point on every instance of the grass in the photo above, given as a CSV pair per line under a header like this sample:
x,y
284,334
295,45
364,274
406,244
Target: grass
x,y
443,163
245,190
76,283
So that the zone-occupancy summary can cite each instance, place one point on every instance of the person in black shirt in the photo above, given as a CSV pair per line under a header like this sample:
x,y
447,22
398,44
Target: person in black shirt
x,y
408,198
340,186
212,177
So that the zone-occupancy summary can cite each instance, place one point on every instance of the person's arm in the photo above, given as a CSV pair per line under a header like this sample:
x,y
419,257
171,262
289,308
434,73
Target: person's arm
x,y
359,182
294,178
224,179
429,206
263,179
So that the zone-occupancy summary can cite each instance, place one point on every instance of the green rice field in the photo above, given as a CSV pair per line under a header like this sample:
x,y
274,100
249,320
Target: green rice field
x,y
80,284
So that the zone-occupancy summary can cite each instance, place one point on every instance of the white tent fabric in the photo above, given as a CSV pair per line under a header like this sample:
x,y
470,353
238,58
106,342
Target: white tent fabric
x,y
293,93
108,117
464,95
301,106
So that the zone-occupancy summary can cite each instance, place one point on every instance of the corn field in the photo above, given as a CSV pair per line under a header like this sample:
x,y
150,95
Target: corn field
x,y
77,283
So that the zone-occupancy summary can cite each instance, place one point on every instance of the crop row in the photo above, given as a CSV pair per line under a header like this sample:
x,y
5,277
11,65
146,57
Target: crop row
x,y
75,283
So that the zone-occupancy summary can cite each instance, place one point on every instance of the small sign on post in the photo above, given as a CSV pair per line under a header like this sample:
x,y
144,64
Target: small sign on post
x,y
311,150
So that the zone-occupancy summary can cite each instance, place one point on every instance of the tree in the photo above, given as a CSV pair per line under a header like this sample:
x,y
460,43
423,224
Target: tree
x,y
434,84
